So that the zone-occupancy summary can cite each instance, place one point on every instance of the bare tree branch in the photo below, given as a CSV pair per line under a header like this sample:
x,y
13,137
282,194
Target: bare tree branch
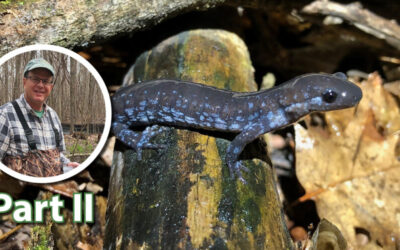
x,y
362,18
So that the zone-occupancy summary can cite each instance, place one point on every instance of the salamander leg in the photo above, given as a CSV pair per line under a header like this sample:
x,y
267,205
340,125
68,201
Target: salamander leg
x,y
138,140
147,134
236,147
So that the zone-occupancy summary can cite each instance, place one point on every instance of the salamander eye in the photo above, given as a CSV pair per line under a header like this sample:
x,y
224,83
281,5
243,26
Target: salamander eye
x,y
329,96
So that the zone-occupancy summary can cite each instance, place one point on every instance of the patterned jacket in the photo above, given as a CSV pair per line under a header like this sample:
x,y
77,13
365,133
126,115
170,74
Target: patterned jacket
x,y
12,136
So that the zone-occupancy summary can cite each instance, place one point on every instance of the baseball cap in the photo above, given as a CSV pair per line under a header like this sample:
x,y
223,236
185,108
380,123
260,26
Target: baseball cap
x,y
38,63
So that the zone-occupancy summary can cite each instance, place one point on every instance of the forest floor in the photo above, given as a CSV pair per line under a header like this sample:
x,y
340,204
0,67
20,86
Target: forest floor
x,y
80,145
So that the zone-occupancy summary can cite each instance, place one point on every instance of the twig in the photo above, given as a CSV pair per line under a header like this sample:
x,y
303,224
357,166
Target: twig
x,y
363,19
6,235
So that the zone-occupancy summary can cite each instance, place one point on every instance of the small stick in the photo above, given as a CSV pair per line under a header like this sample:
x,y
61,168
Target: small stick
x,y
6,235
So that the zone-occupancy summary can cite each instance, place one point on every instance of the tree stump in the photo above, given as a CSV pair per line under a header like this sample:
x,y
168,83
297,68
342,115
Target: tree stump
x,y
182,196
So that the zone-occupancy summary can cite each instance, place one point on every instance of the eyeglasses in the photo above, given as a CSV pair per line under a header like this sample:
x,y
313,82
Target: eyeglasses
x,y
37,80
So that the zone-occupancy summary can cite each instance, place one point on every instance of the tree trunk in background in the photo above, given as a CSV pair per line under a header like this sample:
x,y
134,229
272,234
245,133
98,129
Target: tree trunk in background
x,y
6,81
66,82
18,77
61,83
72,92
72,110
183,197
90,107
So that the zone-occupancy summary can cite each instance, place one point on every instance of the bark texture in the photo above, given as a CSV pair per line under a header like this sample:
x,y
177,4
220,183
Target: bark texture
x,y
79,23
182,197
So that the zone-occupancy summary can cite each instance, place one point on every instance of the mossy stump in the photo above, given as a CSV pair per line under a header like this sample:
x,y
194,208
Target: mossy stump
x,y
182,197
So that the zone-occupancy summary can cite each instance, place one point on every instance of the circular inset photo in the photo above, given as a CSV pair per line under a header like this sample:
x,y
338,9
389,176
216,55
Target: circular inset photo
x,y
55,113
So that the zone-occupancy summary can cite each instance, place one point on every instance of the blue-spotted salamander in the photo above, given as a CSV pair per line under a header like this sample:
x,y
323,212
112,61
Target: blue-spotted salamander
x,y
190,105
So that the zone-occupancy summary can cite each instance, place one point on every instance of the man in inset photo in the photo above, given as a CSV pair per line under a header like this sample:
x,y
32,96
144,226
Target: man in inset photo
x,y
31,136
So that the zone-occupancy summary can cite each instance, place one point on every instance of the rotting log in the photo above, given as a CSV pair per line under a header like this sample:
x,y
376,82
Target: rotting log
x,y
182,196
79,23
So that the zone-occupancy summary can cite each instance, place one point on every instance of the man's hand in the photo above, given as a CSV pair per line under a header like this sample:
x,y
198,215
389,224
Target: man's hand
x,y
73,164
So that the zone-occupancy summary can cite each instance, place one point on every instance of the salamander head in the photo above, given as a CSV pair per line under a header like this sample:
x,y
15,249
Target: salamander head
x,y
322,92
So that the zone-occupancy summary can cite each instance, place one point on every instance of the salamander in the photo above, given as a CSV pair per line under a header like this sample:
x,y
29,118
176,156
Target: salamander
x,y
172,103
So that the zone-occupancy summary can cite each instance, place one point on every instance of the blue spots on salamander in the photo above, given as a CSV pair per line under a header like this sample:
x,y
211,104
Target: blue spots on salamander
x,y
166,109
115,124
253,116
276,118
316,101
119,117
297,108
299,105
167,118
190,120
153,101
173,103
219,120
239,118
150,115
177,113
130,112
142,105
214,115
220,125
142,116
234,126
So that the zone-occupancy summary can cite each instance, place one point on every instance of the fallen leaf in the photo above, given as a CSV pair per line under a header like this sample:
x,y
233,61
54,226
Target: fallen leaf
x,y
393,87
66,188
108,151
351,167
94,188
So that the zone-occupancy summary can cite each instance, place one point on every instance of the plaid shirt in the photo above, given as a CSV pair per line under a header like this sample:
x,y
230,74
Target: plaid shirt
x,y
12,135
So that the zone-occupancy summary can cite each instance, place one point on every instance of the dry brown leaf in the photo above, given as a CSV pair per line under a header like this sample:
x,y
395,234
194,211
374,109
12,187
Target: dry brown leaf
x,y
66,188
108,151
393,87
351,167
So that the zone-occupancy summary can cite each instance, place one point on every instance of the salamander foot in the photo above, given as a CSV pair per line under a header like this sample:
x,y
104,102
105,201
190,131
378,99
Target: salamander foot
x,y
146,135
236,168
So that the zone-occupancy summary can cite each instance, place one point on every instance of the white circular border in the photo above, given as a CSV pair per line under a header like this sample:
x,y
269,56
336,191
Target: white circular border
x,y
107,124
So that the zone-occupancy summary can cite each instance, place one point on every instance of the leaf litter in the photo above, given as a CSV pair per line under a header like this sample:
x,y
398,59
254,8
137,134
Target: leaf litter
x,y
351,167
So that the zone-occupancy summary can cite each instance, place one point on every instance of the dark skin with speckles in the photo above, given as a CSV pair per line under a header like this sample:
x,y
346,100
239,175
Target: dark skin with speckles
x,y
170,103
